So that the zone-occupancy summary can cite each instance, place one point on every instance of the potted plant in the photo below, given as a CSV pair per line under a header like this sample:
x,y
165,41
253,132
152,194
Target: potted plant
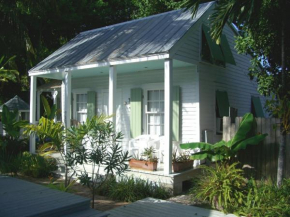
x,y
147,161
181,162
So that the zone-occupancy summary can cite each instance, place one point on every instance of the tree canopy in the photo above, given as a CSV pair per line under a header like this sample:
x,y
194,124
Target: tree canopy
x,y
31,30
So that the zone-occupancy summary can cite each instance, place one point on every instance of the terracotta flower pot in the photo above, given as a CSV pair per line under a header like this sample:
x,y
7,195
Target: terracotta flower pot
x,y
181,166
142,164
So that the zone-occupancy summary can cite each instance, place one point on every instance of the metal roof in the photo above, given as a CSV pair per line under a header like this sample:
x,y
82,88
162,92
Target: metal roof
x,y
16,103
151,35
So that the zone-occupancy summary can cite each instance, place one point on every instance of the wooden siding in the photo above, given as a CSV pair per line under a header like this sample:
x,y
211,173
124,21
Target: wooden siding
x,y
233,78
186,78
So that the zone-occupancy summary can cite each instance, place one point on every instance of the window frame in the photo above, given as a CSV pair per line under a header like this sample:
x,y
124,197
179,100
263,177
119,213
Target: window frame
x,y
146,88
75,112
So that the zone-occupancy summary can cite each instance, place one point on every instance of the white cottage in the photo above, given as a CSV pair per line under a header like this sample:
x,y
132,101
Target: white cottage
x,y
162,76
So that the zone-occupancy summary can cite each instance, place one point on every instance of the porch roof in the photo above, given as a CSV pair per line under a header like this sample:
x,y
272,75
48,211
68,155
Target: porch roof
x,y
16,103
153,35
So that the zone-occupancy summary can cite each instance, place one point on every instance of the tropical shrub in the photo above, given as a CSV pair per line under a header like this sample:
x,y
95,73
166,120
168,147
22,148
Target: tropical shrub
x,y
222,185
129,189
266,199
223,150
36,166
95,143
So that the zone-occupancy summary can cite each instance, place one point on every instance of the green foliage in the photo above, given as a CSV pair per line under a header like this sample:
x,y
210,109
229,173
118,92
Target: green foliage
x,y
228,150
129,189
61,186
36,166
10,122
222,185
95,143
148,154
50,112
7,74
182,157
266,199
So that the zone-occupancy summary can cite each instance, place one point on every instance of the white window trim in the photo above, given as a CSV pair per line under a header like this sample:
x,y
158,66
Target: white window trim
x,y
146,87
75,93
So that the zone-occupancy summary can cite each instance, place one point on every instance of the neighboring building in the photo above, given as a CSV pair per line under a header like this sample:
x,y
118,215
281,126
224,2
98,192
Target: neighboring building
x,y
133,69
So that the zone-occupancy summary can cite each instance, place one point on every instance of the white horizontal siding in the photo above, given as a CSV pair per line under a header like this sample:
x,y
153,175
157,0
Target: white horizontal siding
x,y
186,78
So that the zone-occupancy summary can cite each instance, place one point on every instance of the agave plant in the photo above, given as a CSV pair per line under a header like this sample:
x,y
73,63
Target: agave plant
x,y
228,150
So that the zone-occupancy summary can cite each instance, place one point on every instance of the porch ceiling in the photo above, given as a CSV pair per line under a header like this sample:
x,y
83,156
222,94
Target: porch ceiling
x,y
123,68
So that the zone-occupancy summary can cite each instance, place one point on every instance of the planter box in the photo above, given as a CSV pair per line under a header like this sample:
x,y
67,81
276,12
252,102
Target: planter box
x,y
181,166
142,164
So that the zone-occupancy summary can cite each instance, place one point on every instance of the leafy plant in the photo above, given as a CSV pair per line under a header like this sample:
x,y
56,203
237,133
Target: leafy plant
x,y
96,144
61,186
228,150
148,153
181,157
8,74
36,166
49,112
129,189
222,185
11,124
266,199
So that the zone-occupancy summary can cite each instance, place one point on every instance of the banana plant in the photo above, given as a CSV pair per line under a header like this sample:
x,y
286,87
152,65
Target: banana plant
x,y
223,150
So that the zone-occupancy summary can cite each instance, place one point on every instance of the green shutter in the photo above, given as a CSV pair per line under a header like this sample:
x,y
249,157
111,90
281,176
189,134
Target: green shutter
x,y
222,103
91,104
258,107
176,113
215,49
136,112
227,50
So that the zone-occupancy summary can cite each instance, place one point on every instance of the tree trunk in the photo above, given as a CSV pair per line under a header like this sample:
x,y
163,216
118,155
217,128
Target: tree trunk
x,y
281,157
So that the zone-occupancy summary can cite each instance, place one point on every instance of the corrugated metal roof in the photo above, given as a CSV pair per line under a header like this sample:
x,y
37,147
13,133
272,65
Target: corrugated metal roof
x,y
151,35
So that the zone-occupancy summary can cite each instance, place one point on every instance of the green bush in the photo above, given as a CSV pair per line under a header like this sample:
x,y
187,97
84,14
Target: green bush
x,y
129,189
266,199
222,185
10,149
36,166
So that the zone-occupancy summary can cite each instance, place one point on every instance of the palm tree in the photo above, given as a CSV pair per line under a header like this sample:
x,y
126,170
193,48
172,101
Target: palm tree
x,y
245,13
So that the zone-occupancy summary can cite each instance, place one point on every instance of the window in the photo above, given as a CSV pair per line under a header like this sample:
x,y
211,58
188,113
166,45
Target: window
x,y
155,112
81,107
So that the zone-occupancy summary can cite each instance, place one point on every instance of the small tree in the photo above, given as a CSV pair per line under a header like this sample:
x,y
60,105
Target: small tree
x,y
95,143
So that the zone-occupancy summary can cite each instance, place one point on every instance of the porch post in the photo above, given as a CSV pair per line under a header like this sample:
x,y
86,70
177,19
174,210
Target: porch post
x,y
112,93
66,99
66,102
54,96
38,104
168,116
32,111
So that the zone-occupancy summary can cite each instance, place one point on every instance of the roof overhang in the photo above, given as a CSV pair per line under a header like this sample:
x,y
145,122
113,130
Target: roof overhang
x,y
152,62
103,64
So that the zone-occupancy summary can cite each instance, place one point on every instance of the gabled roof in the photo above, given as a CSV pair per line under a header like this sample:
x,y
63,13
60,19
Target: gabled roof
x,y
16,103
151,35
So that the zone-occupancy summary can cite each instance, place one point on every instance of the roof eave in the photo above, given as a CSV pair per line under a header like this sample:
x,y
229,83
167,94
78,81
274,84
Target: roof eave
x,y
104,63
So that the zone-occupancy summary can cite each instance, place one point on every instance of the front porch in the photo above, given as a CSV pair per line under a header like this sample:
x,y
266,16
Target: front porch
x,y
115,100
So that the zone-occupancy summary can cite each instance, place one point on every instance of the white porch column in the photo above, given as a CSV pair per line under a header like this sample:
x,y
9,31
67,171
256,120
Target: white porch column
x,y
112,93
54,96
38,102
66,99
168,115
32,115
